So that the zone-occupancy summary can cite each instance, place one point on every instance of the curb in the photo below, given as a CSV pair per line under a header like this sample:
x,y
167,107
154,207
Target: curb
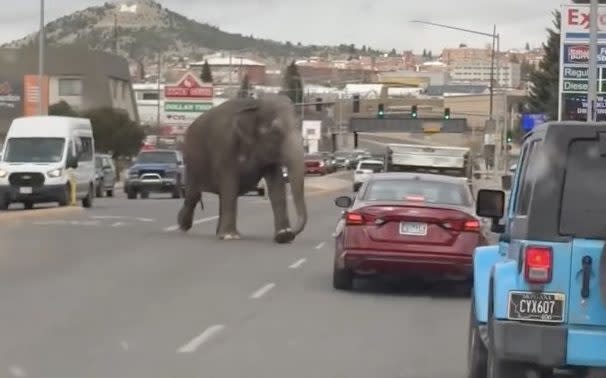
x,y
12,215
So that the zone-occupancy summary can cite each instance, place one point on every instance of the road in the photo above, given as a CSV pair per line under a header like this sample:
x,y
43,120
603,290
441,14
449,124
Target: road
x,y
116,291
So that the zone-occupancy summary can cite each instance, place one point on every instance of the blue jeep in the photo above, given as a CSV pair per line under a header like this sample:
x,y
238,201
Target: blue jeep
x,y
156,171
537,301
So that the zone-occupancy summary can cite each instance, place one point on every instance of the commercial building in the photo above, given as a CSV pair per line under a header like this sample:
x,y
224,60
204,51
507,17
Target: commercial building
x,y
232,69
507,75
83,78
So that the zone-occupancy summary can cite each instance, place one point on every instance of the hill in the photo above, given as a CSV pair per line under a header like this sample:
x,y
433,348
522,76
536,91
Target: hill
x,y
143,28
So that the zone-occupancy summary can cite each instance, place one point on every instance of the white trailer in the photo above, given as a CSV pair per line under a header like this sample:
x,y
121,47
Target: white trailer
x,y
451,161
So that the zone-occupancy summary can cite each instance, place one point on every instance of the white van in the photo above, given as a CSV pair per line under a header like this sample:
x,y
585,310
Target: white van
x,y
39,156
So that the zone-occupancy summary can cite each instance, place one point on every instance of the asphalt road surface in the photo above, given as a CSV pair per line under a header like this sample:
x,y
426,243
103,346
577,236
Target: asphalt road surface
x,y
117,291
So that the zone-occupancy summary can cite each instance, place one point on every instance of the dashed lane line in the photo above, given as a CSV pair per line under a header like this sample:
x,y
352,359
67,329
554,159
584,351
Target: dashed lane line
x,y
202,338
262,290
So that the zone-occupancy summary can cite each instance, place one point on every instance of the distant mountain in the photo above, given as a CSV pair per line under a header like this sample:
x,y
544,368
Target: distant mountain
x,y
144,28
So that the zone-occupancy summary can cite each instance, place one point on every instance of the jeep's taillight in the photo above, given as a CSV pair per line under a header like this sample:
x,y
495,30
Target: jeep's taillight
x,y
538,264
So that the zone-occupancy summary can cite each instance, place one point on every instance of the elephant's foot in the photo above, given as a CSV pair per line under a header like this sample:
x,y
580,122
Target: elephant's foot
x,y
284,236
229,236
185,219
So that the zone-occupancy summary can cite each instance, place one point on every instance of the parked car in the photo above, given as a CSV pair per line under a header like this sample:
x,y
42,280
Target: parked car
x,y
539,296
158,171
315,164
106,174
410,224
344,160
363,171
261,184
329,161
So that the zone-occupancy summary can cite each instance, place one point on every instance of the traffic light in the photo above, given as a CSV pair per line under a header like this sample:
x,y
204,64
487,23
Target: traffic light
x,y
413,112
509,136
318,104
381,112
446,113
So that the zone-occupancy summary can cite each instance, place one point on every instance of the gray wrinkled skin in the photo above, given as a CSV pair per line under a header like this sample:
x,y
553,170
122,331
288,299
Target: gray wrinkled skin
x,y
229,148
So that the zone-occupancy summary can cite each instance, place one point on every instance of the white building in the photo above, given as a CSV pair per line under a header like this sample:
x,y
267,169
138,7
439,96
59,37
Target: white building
x,y
150,103
507,75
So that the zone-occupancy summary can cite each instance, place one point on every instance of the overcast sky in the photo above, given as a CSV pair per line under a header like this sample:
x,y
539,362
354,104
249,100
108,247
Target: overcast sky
x,y
377,23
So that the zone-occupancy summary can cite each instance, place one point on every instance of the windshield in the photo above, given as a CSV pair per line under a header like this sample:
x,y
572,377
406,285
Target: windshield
x,y
34,150
157,157
375,167
428,191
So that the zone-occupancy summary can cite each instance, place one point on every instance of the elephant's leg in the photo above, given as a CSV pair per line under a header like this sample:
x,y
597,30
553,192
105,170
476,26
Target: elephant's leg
x,y
277,196
228,206
193,195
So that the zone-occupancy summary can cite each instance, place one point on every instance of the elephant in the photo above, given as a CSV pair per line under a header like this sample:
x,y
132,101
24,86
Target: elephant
x,y
229,148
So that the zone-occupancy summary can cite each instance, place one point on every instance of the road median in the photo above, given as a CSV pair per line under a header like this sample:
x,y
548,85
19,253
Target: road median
x,y
47,212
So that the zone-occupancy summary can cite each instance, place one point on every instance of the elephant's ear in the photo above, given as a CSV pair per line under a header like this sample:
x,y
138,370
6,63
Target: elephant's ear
x,y
244,125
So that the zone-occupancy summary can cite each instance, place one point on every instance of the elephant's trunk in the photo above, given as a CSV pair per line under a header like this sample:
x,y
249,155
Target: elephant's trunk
x,y
296,174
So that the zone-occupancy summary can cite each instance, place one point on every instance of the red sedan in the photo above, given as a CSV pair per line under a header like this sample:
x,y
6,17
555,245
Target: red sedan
x,y
315,164
408,224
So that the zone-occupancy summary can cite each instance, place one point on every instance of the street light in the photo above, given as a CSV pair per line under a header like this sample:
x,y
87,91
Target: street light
x,y
495,40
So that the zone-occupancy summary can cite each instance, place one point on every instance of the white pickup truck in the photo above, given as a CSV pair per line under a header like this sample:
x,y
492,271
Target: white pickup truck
x,y
365,168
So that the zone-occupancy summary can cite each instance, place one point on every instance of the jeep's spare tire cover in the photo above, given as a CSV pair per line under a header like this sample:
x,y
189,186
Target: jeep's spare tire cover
x,y
602,275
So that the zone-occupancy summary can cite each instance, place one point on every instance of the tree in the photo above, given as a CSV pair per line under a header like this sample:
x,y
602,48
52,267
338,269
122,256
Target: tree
x,y
206,76
244,87
424,53
527,47
292,86
352,49
115,132
543,94
393,53
429,54
62,108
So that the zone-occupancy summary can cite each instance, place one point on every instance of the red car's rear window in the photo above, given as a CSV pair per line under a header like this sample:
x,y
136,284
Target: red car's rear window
x,y
418,190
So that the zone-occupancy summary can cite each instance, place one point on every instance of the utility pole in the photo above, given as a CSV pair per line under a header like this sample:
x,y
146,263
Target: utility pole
x,y
41,46
159,91
115,33
593,62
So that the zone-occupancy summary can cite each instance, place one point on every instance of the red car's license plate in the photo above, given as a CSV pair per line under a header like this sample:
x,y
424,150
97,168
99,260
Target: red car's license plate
x,y
413,228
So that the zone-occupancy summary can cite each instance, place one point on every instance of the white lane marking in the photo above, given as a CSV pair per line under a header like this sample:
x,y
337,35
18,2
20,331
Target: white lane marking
x,y
124,345
145,219
118,224
204,337
197,221
17,371
297,264
107,217
320,246
262,290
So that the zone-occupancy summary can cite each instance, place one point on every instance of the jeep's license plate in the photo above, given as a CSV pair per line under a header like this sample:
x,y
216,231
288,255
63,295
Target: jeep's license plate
x,y
536,306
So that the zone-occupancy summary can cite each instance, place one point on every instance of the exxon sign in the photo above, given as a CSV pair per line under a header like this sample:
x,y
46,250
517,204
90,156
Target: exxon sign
x,y
575,22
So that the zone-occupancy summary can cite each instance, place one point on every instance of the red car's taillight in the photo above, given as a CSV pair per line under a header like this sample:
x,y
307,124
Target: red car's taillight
x,y
470,225
538,264
357,219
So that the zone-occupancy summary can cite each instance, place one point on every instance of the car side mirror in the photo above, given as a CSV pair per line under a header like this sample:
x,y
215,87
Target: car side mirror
x,y
491,204
72,162
343,201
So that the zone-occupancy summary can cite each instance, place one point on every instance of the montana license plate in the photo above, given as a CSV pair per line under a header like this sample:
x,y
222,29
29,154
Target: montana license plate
x,y
536,306
413,228
25,190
